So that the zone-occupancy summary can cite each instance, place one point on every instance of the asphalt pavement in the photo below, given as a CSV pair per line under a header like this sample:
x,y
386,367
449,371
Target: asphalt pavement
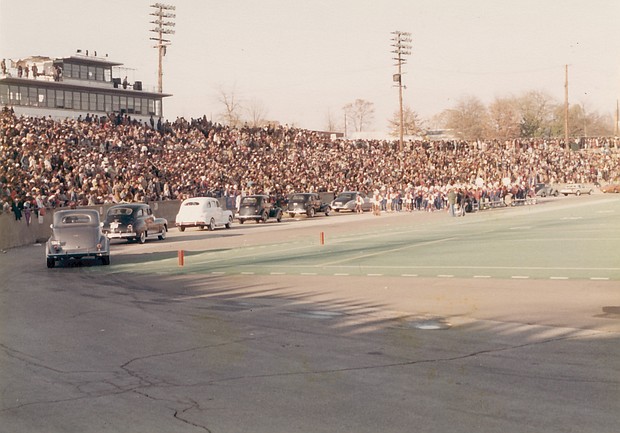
x,y
503,320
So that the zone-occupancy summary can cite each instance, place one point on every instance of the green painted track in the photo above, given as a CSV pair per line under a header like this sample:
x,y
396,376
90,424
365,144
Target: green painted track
x,y
575,238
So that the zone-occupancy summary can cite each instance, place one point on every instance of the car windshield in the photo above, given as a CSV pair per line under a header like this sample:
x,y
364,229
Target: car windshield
x,y
300,198
77,219
120,211
346,197
249,201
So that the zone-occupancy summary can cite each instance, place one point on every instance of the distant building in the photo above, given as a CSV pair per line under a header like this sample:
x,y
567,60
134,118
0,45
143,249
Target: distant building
x,y
74,86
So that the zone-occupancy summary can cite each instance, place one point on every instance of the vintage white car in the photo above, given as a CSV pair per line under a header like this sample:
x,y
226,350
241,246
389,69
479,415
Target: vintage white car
x,y
203,212
576,188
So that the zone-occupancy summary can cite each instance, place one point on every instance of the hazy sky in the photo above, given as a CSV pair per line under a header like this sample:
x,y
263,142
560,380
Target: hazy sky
x,y
304,59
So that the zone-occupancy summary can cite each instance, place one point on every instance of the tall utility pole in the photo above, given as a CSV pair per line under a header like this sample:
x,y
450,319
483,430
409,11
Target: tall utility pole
x,y
617,119
566,108
162,27
401,44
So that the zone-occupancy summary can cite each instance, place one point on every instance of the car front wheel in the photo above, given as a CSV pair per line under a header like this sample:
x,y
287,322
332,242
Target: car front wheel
x,y
229,223
141,238
578,193
310,212
211,225
162,235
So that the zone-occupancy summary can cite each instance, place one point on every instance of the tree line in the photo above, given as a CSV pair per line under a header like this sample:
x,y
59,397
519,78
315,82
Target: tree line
x,y
534,114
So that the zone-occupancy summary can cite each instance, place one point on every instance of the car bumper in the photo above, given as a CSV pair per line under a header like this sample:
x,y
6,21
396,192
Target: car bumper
x,y
191,223
249,217
77,255
121,235
339,208
297,211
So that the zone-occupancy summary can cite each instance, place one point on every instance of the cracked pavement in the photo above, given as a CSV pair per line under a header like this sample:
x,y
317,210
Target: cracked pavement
x,y
85,351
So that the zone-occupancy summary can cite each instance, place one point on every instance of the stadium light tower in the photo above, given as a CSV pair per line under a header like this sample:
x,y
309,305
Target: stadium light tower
x,y
401,44
162,27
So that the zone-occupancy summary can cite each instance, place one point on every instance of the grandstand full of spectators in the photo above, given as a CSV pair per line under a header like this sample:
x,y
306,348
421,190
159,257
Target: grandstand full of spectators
x,y
47,163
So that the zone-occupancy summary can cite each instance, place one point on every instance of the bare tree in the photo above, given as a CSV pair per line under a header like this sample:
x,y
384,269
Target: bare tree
x,y
232,106
412,124
257,113
360,113
504,119
581,122
536,114
332,124
469,119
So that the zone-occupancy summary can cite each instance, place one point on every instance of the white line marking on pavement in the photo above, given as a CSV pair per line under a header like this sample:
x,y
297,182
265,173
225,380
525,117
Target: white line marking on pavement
x,y
362,256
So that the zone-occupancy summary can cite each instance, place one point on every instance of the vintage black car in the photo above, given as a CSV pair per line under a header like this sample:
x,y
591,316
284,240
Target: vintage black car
x,y
307,203
76,234
544,190
259,208
133,221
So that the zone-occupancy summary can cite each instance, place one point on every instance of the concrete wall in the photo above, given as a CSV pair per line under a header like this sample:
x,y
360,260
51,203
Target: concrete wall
x,y
17,233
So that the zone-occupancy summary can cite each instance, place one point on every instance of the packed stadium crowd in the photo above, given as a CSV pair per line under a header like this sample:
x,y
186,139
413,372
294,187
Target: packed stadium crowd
x,y
48,163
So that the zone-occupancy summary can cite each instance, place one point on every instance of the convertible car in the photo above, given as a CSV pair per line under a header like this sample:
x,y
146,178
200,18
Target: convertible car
x,y
76,234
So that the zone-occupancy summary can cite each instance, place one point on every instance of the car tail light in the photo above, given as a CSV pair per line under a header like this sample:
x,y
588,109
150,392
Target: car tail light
x,y
98,247
56,245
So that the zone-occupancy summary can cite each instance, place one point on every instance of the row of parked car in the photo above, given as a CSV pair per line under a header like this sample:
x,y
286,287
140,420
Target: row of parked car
x,y
79,233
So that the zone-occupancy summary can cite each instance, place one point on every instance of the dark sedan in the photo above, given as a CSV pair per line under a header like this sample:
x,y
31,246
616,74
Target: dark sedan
x,y
258,208
307,203
133,221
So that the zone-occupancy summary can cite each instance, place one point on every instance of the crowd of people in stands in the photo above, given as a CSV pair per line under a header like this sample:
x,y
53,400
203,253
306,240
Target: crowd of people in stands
x,y
49,163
